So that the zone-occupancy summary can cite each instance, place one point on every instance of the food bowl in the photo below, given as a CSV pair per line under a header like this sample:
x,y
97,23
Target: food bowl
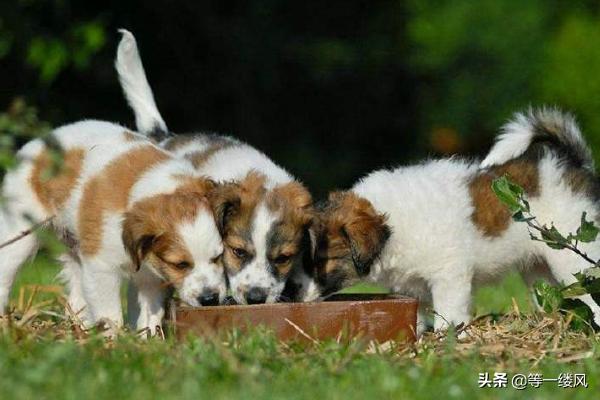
x,y
378,317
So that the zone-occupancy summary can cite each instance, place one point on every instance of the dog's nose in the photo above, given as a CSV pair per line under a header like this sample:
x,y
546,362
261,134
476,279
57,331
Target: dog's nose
x,y
209,298
256,296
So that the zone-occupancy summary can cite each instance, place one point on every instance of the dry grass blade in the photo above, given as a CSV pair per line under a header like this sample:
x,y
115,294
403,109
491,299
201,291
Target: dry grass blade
x,y
306,335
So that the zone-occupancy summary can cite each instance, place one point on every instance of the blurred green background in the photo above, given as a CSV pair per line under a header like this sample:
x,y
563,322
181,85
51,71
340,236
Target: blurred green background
x,y
330,90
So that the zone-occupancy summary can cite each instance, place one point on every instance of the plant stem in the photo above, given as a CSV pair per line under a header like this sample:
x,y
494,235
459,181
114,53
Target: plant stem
x,y
26,232
565,245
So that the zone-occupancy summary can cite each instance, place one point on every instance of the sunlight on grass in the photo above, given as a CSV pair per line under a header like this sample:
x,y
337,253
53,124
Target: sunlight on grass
x,y
498,298
41,271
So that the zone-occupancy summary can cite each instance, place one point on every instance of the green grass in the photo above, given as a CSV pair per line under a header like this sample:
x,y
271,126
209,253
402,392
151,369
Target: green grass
x,y
47,362
42,271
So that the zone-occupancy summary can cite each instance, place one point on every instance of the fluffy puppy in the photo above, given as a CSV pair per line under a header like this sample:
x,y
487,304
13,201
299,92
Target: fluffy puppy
x,y
436,230
118,201
264,214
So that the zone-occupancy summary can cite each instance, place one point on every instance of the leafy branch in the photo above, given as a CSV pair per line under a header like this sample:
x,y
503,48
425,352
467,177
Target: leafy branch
x,y
513,196
588,281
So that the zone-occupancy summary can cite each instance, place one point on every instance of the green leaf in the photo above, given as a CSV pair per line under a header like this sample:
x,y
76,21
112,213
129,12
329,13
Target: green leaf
x,y
549,297
520,217
574,290
587,231
582,315
509,194
553,238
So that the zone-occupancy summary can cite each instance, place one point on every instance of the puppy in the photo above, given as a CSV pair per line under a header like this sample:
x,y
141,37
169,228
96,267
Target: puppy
x,y
436,230
263,213
118,201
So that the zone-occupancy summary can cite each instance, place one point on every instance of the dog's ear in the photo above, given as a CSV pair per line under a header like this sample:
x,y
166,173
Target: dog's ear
x,y
137,237
295,194
203,186
225,202
366,232
197,186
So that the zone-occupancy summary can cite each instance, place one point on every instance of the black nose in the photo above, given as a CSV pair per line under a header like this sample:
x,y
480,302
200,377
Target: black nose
x,y
256,296
209,298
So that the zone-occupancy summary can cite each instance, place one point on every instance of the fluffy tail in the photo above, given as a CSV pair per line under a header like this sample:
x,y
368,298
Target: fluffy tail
x,y
137,90
548,126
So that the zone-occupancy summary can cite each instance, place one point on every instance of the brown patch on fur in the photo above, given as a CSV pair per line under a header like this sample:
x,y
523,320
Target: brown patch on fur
x,y
239,199
233,205
198,158
53,192
294,203
489,214
150,229
178,142
355,233
352,234
199,186
291,195
290,238
109,192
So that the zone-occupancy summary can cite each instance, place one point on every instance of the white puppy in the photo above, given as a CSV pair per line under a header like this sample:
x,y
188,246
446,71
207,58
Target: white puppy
x,y
119,201
266,215
436,230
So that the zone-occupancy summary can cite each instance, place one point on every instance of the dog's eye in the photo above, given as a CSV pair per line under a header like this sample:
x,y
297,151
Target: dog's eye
x,y
282,259
239,253
183,265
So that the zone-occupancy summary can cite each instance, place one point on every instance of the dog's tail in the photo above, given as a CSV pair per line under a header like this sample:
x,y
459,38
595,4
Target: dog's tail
x,y
548,126
137,89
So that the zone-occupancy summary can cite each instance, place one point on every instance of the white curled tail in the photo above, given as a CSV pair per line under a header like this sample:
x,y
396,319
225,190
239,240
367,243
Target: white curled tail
x,y
137,89
548,126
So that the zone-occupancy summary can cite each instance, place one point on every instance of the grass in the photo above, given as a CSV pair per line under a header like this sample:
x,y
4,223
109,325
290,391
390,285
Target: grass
x,y
43,355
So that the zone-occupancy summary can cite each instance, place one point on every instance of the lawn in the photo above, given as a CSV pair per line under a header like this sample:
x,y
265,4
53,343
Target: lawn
x,y
42,356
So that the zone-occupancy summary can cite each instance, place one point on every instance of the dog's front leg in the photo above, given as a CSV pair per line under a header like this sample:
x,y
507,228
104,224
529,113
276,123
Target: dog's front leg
x,y
150,301
101,283
451,296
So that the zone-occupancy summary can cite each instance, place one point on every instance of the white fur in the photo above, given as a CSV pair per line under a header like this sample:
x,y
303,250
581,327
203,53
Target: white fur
x,y
135,85
70,275
203,241
234,163
167,173
437,254
518,134
96,282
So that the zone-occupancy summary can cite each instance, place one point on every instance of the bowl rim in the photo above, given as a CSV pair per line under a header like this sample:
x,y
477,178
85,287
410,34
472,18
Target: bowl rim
x,y
335,300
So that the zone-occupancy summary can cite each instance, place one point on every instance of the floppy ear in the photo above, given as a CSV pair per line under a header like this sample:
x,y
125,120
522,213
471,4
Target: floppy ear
x,y
198,186
294,193
225,201
203,186
137,238
367,234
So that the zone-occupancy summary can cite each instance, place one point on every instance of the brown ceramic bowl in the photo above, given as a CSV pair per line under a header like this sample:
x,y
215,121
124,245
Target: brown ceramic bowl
x,y
377,317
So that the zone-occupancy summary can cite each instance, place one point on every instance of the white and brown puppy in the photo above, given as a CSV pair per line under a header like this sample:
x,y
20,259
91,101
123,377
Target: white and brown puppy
x,y
436,230
264,214
119,201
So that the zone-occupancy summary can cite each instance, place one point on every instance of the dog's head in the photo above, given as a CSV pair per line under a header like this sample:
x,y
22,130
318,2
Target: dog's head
x,y
351,236
175,235
266,232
